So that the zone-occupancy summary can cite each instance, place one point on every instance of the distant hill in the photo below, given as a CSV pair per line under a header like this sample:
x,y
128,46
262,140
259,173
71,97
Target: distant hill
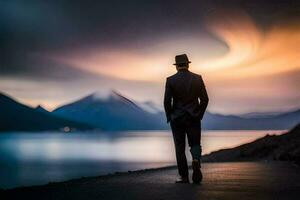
x,y
284,147
260,114
113,112
15,116
231,122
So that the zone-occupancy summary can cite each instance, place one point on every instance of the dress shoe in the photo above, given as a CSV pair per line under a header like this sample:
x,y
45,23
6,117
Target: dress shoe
x,y
197,174
182,180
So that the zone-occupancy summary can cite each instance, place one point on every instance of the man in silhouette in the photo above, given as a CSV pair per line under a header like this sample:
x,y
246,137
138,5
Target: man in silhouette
x,y
184,112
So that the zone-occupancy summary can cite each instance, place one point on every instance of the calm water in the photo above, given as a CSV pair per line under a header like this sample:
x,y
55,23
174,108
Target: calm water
x,y
33,158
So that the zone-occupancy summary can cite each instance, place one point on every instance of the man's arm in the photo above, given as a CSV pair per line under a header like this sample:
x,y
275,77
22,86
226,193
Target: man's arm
x,y
203,98
168,101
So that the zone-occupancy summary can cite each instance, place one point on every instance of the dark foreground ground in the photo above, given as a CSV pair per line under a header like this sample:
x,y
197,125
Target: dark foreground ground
x,y
237,180
285,147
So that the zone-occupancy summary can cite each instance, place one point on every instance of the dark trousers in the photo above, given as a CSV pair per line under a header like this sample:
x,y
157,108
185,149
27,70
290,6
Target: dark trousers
x,y
193,131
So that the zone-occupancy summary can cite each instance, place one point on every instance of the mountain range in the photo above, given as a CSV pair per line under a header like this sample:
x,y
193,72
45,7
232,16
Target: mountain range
x,y
15,116
114,112
230,122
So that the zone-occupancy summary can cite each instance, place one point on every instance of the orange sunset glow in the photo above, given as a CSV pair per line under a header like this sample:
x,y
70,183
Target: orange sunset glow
x,y
245,63
247,59
251,52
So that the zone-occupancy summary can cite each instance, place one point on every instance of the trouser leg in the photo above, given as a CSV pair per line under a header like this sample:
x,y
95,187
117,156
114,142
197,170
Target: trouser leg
x,y
179,141
194,140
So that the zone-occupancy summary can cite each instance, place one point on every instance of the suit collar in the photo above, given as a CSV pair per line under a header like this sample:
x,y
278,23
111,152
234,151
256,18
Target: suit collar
x,y
183,70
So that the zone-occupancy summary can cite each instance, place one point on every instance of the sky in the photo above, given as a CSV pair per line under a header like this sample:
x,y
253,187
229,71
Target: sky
x,y
55,52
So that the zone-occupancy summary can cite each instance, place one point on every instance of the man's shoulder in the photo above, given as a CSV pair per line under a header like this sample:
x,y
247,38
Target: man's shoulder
x,y
169,78
177,75
196,75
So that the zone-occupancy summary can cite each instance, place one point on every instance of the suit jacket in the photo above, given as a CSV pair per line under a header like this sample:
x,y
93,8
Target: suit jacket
x,y
182,94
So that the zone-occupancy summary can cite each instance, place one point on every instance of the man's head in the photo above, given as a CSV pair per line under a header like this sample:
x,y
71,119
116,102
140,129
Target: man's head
x,y
182,62
182,66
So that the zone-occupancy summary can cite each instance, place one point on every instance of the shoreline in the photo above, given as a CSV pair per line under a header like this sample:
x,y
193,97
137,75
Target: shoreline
x,y
230,180
108,175
141,171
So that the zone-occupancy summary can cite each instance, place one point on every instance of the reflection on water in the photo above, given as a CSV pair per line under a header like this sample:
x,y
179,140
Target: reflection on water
x,y
32,158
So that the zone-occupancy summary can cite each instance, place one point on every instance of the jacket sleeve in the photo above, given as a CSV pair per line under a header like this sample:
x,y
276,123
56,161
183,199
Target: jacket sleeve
x,y
203,98
168,101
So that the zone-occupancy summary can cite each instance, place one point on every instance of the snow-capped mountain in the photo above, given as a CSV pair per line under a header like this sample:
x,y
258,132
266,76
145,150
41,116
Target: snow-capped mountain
x,y
111,111
150,107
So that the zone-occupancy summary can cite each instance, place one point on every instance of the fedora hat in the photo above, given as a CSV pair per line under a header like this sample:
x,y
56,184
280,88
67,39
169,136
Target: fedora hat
x,y
181,59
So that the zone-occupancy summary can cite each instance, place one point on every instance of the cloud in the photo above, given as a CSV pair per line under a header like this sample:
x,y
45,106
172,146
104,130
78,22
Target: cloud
x,y
60,27
260,70
54,52
253,51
